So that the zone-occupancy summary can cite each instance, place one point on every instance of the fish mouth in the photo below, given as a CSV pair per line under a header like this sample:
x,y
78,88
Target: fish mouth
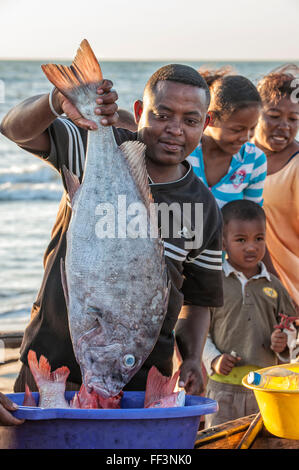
x,y
98,389
106,392
94,369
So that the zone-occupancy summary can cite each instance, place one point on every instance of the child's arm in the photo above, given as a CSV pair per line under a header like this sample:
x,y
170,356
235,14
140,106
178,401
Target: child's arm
x,y
210,352
224,364
215,361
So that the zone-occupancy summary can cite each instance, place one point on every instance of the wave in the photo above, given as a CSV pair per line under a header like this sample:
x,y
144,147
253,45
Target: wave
x,y
28,174
24,192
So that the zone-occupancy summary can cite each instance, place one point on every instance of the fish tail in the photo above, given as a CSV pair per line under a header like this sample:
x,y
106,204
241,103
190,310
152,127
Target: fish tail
x,y
60,374
84,70
41,370
158,386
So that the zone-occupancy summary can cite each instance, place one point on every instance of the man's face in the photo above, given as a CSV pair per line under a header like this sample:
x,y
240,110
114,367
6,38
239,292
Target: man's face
x,y
171,121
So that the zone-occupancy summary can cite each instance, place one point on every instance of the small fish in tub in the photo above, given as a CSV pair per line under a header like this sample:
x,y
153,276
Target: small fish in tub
x,y
160,390
51,386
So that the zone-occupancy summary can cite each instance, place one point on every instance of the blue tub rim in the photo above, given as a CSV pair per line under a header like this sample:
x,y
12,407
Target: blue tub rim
x,y
195,406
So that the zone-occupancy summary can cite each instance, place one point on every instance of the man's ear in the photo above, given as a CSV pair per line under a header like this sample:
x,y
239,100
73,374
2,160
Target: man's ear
x,y
138,108
207,121
212,118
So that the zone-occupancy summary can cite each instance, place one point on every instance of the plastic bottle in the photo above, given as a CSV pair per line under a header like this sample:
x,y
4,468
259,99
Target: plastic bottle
x,y
277,378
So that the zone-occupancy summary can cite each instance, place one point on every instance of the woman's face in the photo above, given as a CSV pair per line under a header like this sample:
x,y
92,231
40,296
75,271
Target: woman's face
x,y
278,125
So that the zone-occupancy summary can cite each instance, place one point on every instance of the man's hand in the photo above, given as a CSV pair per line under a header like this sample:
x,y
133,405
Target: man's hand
x,y
191,377
106,102
6,418
224,364
279,341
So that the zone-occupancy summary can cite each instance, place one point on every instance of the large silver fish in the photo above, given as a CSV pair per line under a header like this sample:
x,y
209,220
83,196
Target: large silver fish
x,y
115,282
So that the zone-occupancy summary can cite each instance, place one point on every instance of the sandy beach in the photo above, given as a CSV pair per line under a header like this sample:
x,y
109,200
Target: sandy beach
x,y
9,370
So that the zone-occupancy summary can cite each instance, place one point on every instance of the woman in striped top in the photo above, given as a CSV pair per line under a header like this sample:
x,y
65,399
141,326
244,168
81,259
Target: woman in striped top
x,y
225,160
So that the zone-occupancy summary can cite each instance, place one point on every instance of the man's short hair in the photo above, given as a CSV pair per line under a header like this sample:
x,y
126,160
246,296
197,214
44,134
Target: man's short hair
x,y
242,209
181,74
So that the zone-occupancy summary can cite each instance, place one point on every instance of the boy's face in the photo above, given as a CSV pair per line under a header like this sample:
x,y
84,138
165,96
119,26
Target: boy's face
x,y
171,121
245,243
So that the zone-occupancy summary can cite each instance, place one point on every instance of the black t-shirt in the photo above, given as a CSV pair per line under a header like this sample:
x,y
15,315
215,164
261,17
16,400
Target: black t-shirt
x,y
195,274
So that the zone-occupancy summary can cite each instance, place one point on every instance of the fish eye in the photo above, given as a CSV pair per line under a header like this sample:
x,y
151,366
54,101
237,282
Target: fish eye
x,y
129,360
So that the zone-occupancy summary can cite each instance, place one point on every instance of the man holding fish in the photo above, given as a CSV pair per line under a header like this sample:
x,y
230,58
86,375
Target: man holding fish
x,y
95,346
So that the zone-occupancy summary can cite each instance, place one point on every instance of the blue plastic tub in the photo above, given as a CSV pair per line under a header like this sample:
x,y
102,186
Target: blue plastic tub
x,y
131,427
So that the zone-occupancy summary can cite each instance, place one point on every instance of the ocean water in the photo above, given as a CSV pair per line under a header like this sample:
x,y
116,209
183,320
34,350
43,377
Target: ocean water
x,y
30,191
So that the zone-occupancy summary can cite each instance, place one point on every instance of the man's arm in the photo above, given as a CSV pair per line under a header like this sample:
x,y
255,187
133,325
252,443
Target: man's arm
x,y
191,333
26,124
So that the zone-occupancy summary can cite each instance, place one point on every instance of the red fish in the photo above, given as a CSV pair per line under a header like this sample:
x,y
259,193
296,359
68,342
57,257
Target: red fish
x,y
84,399
160,392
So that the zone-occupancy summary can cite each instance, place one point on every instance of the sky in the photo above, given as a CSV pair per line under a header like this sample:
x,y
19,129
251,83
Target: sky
x,y
151,29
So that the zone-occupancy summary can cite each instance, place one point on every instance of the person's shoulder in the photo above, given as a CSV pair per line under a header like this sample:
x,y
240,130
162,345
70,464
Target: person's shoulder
x,y
250,149
123,135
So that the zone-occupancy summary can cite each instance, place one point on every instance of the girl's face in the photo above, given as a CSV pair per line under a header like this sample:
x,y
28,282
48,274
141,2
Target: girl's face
x,y
234,131
278,125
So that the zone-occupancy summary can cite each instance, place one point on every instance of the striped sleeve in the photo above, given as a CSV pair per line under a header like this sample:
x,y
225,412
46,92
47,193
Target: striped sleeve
x,y
208,259
255,188
68,146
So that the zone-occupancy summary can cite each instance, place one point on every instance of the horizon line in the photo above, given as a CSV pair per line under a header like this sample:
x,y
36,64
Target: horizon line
x,y
38,59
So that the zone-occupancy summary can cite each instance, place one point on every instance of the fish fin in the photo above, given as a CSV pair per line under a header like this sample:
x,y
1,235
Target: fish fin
x,y
64,281
41,370
84,70
28,397
158,386
134,152
72,183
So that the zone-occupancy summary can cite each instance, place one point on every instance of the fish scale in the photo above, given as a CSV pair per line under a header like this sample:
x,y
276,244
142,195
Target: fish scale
x,y
116,288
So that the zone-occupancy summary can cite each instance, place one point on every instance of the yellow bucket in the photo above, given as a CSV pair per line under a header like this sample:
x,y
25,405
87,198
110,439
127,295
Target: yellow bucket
x,y
279,408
